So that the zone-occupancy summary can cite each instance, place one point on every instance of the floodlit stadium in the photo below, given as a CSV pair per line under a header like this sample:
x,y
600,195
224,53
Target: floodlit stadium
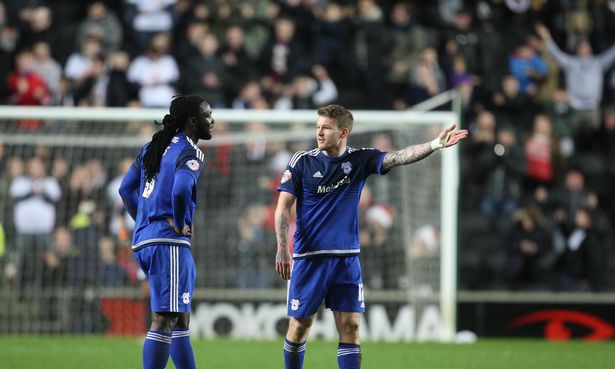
x,y
495,253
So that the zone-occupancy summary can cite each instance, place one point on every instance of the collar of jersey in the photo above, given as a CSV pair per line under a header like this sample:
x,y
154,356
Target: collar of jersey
x,y
344,154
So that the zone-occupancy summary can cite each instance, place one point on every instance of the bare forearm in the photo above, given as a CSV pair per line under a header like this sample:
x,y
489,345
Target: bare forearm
x,y
406,156
282,221
283,258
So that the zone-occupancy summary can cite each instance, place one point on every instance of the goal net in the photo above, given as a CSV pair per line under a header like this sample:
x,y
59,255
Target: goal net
x,y
65,246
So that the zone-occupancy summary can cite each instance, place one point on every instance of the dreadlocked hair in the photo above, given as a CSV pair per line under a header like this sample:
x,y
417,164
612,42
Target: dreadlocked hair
x,y
182,109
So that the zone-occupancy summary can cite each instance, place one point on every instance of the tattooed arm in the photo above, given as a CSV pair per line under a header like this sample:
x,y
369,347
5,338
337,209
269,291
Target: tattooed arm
x,y
406,156
448,137
282,224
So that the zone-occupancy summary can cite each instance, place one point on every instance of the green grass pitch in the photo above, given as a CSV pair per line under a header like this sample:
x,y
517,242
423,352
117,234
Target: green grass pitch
x,y
91,352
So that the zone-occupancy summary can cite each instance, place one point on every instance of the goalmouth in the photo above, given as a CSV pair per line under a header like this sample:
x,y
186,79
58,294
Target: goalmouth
x,y
423,196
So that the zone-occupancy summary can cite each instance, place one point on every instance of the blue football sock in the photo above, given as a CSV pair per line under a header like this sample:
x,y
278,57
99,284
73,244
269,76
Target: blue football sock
x,y
181,350
156,350
349,356
293,354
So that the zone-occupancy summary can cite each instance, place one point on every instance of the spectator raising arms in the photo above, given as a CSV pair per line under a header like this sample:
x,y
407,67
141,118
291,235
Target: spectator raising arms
x,y
584,79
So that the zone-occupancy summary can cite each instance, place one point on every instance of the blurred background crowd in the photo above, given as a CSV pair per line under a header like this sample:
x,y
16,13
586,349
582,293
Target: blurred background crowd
x,y
538,91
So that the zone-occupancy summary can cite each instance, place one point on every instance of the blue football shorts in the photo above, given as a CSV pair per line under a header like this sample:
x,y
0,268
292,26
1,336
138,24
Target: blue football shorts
x,y
337,280
172,275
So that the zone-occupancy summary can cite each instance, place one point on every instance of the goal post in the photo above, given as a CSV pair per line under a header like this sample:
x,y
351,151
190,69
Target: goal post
x,y
235,202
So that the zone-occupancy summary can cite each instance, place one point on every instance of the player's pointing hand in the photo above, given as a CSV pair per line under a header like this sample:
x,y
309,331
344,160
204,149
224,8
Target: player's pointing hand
x,y
449,137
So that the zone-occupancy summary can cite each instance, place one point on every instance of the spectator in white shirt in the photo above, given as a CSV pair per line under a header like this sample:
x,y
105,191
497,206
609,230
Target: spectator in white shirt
x,y
80,63
155,73
35,195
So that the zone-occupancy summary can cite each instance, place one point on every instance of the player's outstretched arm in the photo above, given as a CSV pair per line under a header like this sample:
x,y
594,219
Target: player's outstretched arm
x,y
413,153
282,224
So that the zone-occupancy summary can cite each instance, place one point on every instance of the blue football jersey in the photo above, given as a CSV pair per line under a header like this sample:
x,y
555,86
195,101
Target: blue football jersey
x,y
155,197
328,191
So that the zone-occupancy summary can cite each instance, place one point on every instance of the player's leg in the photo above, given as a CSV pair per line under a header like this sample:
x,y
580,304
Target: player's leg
x,y
306,290
347,325
157,343
299,328
181,348
295,341
157,262
349,347
345,298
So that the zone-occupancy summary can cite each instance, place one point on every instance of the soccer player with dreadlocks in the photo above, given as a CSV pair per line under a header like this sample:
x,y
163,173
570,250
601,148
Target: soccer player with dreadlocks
x,y
159,192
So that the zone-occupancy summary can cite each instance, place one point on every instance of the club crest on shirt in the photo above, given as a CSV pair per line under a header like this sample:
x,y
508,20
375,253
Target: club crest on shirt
x,y
193,165
286,176
346,167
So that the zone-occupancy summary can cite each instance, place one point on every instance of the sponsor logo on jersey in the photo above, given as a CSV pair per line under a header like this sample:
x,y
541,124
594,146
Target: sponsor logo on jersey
x,y
327,189
175,139
317,175
294,304
193,165
346,167
286,176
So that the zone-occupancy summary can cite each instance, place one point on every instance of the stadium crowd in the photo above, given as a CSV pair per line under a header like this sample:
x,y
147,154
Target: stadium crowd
x,y
538,96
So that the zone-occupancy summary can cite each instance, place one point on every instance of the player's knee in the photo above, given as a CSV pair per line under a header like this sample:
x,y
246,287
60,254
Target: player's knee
x,y
350,327
164,321
300,326
183,321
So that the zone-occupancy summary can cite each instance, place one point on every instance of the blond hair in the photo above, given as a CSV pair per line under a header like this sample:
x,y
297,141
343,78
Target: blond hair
x,y
342,116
